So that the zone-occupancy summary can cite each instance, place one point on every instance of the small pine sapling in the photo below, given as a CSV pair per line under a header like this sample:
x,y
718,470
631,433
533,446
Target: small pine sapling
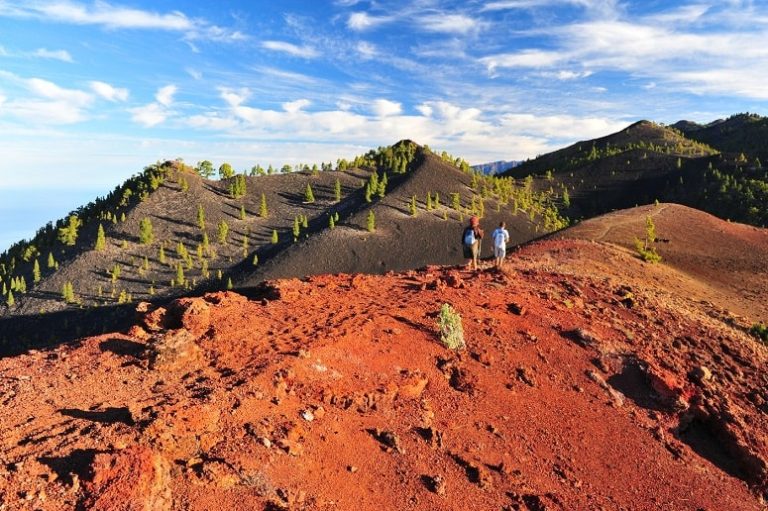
x,y
101,240
451,328
412,206
242,212
200,217
229,284
255,260
337,191
263,212
146,236
36,272
223,231
309,196
371,223
331,223
10,301
275,238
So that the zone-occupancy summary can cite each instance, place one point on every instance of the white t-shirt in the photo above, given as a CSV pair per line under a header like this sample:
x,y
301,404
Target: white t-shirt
x,y
500,237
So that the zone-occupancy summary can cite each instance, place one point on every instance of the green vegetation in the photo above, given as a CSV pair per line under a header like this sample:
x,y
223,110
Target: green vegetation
x,y
229,283
263,211
331,222
101,240
205,169
226,171
223,232
200,217
242,214
36,272
10,300
412,206
146,236
237,187
760,331
646,247
68,293
309,197
371,221
451,328
68,233
275,238
337,191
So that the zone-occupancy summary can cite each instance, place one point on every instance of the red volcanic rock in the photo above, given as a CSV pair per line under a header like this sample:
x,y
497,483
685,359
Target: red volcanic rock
x,y
134,479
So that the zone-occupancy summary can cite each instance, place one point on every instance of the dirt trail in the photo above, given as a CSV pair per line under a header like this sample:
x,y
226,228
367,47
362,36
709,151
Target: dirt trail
x,y
578,390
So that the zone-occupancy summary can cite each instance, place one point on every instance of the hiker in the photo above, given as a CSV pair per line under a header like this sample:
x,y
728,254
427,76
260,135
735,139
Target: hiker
x,y
471,241
500,239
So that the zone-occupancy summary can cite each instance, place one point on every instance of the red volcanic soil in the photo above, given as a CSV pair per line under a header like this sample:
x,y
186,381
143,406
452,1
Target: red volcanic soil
x,y
578,390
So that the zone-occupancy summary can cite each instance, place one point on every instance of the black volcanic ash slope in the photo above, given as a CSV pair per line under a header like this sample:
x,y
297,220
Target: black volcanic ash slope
x,y
178,261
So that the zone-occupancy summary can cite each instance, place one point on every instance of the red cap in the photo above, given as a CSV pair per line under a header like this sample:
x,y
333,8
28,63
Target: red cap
x,y
474,221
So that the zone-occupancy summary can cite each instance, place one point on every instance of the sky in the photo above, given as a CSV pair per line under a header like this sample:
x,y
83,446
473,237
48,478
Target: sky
x,y
93,91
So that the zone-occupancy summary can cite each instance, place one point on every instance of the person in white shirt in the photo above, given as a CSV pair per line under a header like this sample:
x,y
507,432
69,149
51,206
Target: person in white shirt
x,y
500,239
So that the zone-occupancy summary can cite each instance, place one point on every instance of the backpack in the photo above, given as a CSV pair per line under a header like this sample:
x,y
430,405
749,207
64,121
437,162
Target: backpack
x,y
469,237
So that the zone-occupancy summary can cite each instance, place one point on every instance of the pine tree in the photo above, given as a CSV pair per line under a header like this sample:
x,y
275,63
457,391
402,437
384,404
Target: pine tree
x,y
242,212
10,300
245,246
200,217
412,206
337,190
205,244
116,272
179,275
371,221
146,236
455,201
229,283
429,201
101,240
263,206
22,284
296,228
275,238
304,222
255,260
223,232
382,188
331,223
161,255
122,217
68,234
51,261
566,198
226,171
36,271
436,200
68,292
309,196
368,192
336,217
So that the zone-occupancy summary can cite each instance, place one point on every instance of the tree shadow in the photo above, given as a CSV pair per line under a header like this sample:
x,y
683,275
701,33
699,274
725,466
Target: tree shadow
x,y
78,462
111,415
123,347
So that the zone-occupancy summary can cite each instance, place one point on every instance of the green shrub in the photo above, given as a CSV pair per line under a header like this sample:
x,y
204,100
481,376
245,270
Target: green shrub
x,y
760,331
451,329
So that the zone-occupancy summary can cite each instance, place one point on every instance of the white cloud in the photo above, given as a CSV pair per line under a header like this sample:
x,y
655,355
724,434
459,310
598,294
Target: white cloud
x,y
114,16
449,23
196,74
149,115
566,75
234,97
164,95
523,59
50,90
306,52
366,50
360,21
109,92
294,106
385,108
62,55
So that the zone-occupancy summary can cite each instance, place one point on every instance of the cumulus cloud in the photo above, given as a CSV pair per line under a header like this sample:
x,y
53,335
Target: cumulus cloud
x,y
294,106
385,107
164,95
523,59
306,52
109,92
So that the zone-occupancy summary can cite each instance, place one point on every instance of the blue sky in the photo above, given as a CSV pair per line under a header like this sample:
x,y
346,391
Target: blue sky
x,y
92,91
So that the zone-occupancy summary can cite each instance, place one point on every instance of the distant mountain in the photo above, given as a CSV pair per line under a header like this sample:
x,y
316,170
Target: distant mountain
x,y
742,133
495,167
647,162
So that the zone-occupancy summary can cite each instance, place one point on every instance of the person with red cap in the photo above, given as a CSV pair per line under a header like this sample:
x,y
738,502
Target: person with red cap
x,y
471,241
